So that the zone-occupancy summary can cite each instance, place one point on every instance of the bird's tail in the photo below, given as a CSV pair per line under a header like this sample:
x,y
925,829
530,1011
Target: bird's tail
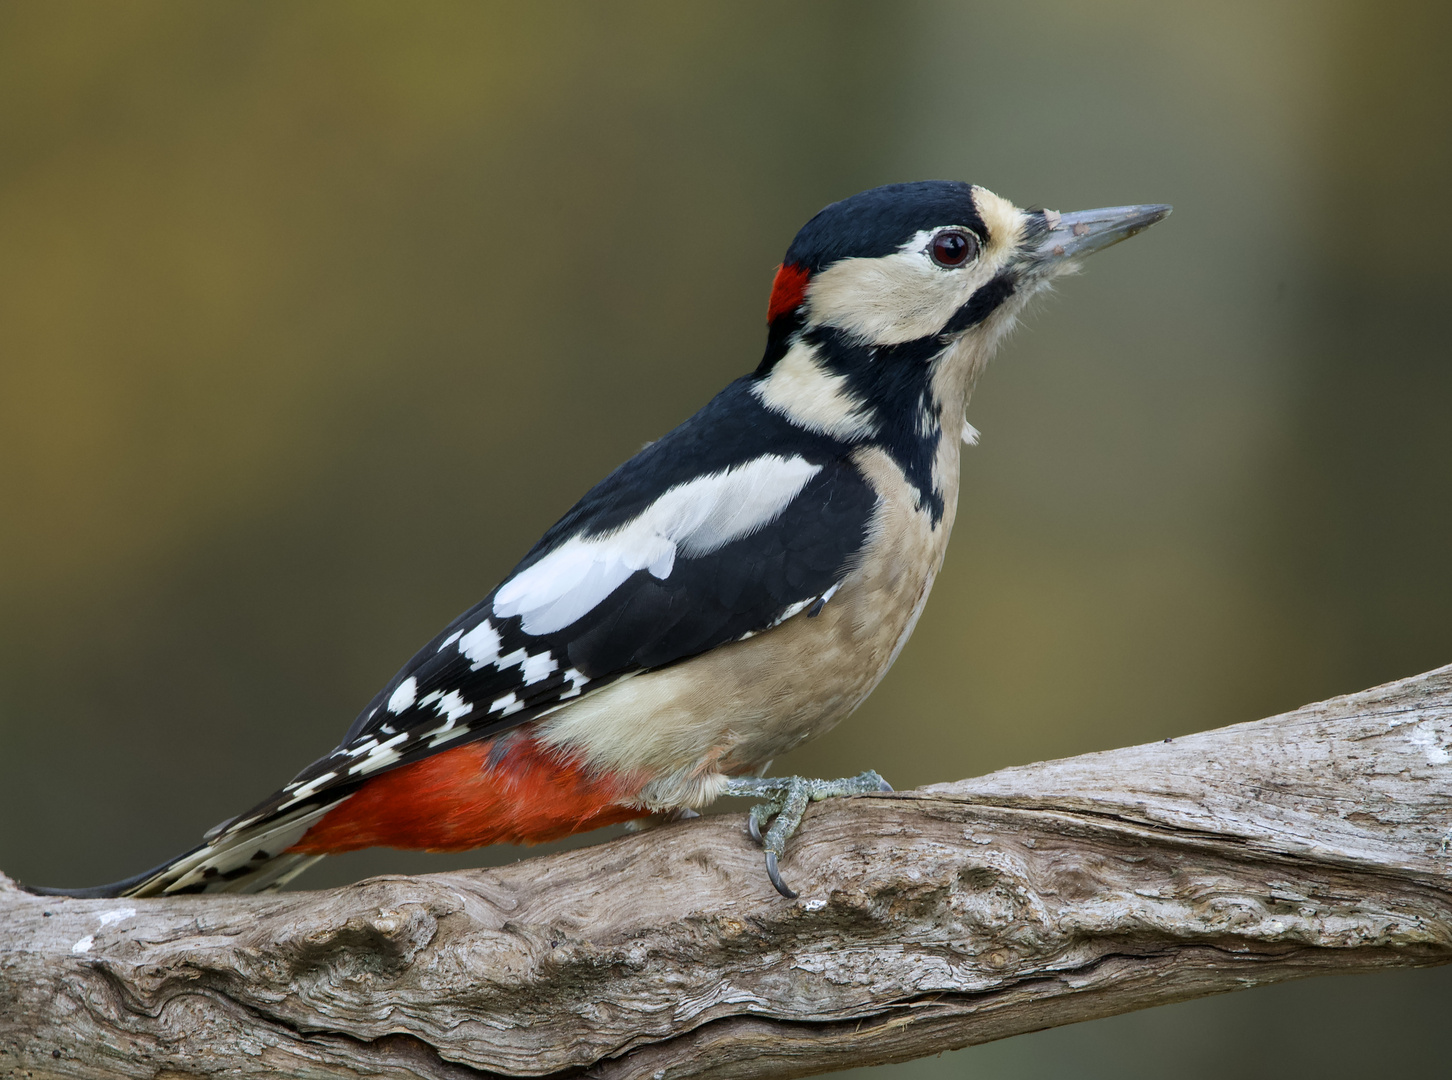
x,y
251,859
451,801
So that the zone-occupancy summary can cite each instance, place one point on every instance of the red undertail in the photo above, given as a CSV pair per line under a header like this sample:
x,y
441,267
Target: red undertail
x,y
460,799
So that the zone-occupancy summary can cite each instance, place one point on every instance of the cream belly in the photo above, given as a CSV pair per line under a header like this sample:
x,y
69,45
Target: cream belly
x,y
684,729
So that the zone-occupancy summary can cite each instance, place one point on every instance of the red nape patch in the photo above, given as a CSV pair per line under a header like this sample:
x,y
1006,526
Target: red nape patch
x,y
787,290
457,800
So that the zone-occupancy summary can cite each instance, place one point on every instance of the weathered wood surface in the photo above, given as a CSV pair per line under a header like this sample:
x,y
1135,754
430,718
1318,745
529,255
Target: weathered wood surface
x,y
1311,842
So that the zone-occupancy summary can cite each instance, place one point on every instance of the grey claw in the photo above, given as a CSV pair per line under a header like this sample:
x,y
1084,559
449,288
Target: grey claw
x,y
775,875
787,797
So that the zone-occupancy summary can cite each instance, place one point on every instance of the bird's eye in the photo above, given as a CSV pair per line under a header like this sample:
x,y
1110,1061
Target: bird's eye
x,y
953,247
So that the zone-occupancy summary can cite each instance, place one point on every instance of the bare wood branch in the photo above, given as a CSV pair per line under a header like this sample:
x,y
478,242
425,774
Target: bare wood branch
x,y
1306,843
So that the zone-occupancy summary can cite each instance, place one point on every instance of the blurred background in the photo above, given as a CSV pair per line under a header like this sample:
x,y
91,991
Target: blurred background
x,y
313,317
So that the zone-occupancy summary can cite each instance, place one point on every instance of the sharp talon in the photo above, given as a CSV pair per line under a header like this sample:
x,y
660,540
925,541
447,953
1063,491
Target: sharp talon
x,y
788,797
775,875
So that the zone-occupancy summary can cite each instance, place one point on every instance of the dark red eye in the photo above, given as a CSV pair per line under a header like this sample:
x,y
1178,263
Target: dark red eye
x,y
953,247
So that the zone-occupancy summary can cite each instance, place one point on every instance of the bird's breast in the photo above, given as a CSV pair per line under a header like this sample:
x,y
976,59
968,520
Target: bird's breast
x,y
731,710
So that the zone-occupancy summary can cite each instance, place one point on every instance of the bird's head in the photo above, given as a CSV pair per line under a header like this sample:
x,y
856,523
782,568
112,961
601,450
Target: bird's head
x,y
906,276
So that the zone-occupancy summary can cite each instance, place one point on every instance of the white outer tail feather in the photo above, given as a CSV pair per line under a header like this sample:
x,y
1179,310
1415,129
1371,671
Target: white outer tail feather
x,y
253,859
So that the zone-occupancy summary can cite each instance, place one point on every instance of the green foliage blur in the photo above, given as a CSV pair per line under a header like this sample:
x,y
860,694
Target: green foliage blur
x,y
314,316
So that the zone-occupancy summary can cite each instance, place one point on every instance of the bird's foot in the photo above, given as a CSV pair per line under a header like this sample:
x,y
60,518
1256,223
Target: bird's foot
x,y
786,801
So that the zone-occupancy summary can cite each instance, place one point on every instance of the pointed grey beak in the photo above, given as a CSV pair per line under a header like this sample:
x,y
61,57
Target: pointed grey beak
x,y
1083,232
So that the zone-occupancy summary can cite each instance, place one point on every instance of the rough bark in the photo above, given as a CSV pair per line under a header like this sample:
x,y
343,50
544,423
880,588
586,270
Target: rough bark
x,y
1312,842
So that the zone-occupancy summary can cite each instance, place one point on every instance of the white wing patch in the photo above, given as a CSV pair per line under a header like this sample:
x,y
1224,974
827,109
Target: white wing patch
x,y
452,705
480,645
538,667
690,519
403,695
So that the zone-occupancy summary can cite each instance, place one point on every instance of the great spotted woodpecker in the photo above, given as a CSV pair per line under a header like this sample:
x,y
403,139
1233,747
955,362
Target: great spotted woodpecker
x,y
736,588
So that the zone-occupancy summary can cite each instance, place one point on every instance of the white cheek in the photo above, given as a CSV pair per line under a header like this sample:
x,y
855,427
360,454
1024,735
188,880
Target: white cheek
x,y
899,297
905,296
888,300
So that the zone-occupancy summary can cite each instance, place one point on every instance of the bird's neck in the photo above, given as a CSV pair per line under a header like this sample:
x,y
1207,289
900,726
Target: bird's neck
x,y
908,399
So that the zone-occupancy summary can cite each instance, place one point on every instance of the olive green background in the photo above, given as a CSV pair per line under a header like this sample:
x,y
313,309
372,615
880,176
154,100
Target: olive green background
x,y
314,316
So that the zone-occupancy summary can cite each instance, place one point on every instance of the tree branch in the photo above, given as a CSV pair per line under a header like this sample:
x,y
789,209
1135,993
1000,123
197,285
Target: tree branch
x,y
1311,842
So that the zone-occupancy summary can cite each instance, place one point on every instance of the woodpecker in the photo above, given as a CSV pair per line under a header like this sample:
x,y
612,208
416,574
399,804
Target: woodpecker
x,y
734,589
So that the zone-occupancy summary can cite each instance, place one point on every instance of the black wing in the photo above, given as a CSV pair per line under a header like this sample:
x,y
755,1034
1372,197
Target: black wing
x,y
730,524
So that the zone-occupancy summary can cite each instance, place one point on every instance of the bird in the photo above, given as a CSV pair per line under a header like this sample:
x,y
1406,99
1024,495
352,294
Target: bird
x,y
736,588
